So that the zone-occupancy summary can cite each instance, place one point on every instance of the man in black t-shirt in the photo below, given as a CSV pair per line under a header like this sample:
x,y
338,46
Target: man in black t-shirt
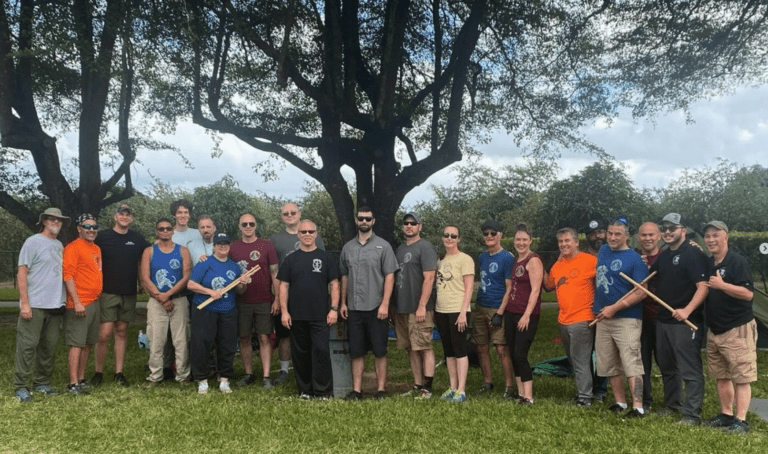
x,y
682,283
121,251
304,278
732,337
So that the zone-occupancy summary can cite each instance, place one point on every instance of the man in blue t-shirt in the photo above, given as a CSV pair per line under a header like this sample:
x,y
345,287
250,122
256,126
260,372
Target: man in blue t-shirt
x,y
617,340
487,316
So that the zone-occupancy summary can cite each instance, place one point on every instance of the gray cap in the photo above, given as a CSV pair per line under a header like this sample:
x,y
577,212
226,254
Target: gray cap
x,y
719,225
221,238
673,218
491,224
412,215
123,208
54,213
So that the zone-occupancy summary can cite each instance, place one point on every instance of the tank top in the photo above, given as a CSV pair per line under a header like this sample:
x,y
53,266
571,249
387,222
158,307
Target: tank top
x,y
166,268
521,289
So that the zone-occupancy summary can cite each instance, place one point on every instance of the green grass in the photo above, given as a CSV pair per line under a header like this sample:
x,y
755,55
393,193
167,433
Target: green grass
x,y
173,418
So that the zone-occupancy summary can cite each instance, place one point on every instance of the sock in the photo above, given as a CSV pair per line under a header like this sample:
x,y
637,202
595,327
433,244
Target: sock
x,y
622,405
284,365
428,382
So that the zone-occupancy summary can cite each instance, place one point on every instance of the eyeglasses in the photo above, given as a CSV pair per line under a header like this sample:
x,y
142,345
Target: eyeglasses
x,y
290,213
452,236
668,228
364,218
307,232
490,233
52,219
410,223
247,224
164,229
90,226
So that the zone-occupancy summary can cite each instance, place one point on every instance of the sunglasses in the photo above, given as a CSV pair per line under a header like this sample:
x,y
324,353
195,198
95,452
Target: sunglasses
x,y
307,232
452,236
90,226
365,218
668,228
490,233
290,213
164,229
410,223
247,224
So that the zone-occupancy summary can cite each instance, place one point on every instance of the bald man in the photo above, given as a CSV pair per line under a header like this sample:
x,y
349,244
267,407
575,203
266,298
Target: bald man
x,y
649,237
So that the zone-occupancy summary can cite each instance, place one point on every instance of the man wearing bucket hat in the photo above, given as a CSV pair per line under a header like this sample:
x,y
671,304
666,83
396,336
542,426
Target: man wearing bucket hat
x,y
41,301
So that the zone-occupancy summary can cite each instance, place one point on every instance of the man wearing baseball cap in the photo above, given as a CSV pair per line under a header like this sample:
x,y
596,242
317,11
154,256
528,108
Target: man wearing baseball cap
x,y
41,301
682,274
732,337
595,231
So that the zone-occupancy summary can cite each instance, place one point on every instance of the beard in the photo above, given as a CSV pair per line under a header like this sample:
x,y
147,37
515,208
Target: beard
x,y
364,227
54,230
596,244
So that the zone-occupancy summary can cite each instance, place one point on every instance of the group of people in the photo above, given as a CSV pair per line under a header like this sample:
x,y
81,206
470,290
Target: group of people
x,y
209,294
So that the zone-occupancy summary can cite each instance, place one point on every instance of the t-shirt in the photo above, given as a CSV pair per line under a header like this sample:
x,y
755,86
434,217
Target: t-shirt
x,y
166,268
121,254
82,263
574,279
610,286
450,281
678,272
413,260
725,312
215,274
521,289
248,255
495,269
286,243
198,248
366,266
650,306
45,283
186,237
308,275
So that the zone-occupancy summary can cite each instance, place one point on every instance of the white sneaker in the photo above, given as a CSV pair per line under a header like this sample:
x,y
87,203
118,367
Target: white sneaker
x,y
224,386
202,387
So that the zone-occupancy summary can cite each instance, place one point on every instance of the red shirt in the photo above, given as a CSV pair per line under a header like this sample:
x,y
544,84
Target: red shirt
x,y
247,255
650,306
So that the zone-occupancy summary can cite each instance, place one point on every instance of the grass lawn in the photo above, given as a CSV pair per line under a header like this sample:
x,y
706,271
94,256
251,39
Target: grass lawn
x,y
173,418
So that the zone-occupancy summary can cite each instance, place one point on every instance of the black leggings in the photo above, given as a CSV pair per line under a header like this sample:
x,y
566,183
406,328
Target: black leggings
x,y
519,343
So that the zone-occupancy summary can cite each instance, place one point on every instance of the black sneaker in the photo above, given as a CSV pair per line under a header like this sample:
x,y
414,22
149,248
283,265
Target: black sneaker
x,y
281,378
721,420
511,394
485,388
525,401
96,379
354,395
739,426
599,398
634,413
246,380
121,380
380,395
690,421
616,408
74,388
583,402
84,385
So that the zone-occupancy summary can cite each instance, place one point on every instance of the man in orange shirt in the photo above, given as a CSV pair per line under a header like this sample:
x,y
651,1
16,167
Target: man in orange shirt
x,y
83,280
573,277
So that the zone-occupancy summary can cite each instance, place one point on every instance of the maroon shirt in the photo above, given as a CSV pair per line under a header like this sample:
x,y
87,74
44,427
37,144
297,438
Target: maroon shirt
x,y
650,306
247,255
521,289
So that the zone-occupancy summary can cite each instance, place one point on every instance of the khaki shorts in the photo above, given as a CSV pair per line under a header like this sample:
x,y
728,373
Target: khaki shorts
x,y
617,345
256,317
483,333
117,307
732,355
81,331
413,335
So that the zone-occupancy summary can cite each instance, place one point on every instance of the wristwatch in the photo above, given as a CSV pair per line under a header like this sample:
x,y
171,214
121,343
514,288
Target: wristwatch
x,y
335,308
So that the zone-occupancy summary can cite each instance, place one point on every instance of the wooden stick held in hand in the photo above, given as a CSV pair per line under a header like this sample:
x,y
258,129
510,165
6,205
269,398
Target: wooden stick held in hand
x,y
229,287
593,322
658,300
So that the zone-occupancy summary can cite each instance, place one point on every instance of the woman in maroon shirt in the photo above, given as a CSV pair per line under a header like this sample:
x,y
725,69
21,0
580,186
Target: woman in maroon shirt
x,y
521,316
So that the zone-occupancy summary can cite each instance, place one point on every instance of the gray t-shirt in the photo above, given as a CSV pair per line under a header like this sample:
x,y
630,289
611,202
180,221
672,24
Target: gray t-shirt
x,y
45,281
186,237
286,243
366,265
414,260
199,248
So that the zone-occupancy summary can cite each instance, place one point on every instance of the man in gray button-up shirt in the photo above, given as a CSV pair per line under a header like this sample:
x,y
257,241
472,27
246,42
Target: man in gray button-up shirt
x,y
367,269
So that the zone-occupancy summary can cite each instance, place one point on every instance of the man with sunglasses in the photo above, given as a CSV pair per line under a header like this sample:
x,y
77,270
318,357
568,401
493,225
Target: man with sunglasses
x,y
83,280
260,300
414,304
121,250
367,269
492,296
682,283
286,242
41,301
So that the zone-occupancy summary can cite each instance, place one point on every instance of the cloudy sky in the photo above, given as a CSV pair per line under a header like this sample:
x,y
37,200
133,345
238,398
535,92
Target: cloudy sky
x,y
733,127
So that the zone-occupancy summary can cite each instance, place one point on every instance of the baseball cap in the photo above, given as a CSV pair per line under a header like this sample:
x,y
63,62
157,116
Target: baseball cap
x,y
123,208
412,215
595,224
719,225
52,212
221,238
673,218
491,224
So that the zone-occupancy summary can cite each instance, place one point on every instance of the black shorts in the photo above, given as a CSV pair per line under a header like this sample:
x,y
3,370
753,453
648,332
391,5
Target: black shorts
x,y
367,332
455,344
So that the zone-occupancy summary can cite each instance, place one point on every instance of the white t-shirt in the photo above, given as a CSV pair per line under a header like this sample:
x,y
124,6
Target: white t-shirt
x,y
45,283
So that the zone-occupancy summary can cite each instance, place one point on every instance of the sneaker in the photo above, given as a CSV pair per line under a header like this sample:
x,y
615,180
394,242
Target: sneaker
x,y
354,395
23,395
583,402
74,388
511,394
459,397
281,378
47,390
634,413
616,408
267,383
96,379
599,398
202,387
84,385
380,395
666,412
739,426
424,393
304,396
448,395
224,387
413,392
246,380
721,420
690,421
485,388
525,401
121,380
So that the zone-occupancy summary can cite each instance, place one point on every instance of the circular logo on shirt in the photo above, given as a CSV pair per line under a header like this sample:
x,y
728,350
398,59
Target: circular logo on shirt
x,y
574,273
519,271
317,265
676,260
254,255
174,264
231,275
721,271
493,267
616,265
408,257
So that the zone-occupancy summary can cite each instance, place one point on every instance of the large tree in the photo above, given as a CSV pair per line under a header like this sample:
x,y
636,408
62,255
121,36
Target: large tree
x,y
394,90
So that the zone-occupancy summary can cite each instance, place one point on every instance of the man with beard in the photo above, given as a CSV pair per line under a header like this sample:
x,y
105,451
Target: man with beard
x,y
415,307
41,297
682,274
121,250
367,277
202,249
649,236
595,232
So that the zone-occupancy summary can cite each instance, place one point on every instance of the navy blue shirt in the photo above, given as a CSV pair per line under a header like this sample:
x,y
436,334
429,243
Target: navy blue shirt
x,y
494,271
610,286
215,274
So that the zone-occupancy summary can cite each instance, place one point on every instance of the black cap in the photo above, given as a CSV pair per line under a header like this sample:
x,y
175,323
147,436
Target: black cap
x,y
221,238
491,224
595,224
